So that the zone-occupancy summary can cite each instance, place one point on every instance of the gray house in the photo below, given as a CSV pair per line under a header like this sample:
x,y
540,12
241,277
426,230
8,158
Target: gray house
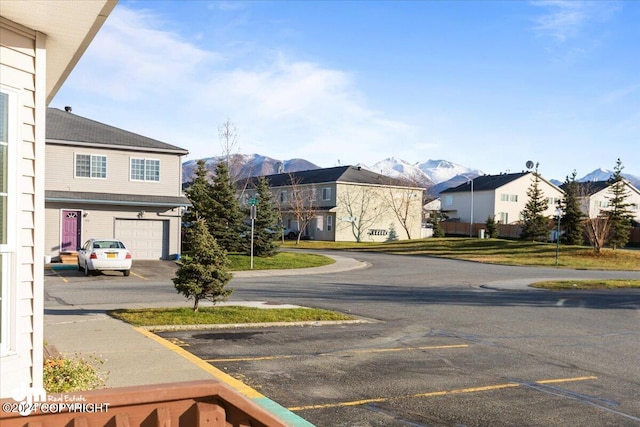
x,y
349,204
102,181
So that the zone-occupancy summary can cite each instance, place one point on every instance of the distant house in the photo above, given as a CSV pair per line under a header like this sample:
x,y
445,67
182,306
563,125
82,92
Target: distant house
x,y
349,204
106,182
502,197
595,197
40,43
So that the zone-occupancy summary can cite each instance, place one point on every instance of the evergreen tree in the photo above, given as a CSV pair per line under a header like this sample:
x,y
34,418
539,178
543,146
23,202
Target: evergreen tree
x,y
204,275
393,235
620,217
492,227
572,217
199,194
535,226
438,231
225,220
266,233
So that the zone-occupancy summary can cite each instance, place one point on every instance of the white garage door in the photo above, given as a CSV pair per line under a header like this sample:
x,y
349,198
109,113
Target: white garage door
x,y
144,238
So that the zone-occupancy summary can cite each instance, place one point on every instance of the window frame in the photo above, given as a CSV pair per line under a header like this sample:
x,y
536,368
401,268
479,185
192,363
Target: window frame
x,y
8,245
327,191
91,166
145,169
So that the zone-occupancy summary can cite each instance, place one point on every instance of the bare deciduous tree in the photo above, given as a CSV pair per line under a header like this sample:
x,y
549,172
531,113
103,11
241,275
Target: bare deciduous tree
x,y
302,204
598,231
364,207
400,202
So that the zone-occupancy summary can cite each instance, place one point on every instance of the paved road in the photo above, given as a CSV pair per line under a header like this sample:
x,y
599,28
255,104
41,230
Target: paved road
x,y
450,343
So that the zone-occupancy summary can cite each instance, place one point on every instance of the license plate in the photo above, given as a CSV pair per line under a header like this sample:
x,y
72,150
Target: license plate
x,y
111,255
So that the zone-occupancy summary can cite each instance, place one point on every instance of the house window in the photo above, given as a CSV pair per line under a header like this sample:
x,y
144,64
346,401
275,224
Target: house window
x,y
504,197
145,170
513,197
283,196
320,223
503,218
326,193
90,166
8,204
448,200
329,222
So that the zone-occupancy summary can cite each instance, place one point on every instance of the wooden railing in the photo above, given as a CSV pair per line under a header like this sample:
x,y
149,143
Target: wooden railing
x,y
188,404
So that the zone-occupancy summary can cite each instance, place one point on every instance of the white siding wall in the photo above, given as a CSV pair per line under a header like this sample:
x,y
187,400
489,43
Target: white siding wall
x,y
61,172
22,66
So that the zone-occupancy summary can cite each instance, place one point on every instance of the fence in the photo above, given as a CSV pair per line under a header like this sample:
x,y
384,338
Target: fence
x,y
187,404
452,228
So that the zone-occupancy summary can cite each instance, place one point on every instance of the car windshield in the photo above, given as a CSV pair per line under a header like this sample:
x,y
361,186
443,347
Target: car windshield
x,y
107,244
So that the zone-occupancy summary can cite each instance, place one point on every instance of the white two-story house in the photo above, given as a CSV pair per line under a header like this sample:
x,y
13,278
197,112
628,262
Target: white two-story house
x,y
502,197
106,182
595,197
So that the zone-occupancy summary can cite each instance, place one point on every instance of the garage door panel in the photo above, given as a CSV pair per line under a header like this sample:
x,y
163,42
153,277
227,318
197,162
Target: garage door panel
x,y
146,239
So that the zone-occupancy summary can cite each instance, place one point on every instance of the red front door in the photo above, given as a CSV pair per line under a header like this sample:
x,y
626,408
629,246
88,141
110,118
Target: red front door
x,y
70,231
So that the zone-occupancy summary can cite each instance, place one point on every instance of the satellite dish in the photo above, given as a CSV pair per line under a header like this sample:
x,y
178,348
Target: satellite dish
x,y
529,164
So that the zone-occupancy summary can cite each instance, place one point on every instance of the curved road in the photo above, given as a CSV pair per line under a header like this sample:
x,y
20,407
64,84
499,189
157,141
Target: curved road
x,y
450,343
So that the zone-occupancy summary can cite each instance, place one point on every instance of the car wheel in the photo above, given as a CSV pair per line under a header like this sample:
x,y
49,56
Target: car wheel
x,y
291,235
126,272
86,269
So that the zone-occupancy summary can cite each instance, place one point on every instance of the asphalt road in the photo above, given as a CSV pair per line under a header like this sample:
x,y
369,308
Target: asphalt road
x,y
450,343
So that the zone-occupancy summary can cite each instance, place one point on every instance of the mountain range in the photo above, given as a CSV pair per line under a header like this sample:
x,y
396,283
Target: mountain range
x,y
435,175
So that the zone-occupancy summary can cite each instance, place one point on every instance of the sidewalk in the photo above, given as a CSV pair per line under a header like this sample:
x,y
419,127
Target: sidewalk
x,y
134,357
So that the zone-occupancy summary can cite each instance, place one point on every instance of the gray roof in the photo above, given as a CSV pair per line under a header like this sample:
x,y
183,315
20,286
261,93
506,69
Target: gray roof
x,y
115,199
351,174
486,183
63,126
589,188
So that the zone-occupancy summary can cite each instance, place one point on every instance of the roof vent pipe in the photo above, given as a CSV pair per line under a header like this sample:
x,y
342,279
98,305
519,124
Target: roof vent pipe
x,y
67,109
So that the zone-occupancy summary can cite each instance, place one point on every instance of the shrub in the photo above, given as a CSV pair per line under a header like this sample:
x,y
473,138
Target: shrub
x,y
77,374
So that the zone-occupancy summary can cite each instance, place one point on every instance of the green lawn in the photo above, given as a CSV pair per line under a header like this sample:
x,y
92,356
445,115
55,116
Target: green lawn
x,y
283,260
223,315
495,251
587,284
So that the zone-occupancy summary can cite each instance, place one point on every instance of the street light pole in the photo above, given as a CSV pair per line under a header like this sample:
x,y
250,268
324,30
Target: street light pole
x,y
471,224
559,214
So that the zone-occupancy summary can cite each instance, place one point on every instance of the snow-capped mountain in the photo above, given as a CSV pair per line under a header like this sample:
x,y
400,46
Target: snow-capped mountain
x,y
430,172
246,165
435,175
604,174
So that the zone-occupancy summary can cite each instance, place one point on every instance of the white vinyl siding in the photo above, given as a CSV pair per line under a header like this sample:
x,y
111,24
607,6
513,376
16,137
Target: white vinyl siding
x,y
145,170
90,166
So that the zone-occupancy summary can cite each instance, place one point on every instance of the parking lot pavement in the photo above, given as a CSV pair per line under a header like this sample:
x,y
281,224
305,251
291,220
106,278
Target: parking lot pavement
x,y
337,376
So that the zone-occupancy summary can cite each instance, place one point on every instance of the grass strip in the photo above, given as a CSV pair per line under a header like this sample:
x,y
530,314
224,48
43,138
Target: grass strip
x,y
222,315
494,251
280,261
587,284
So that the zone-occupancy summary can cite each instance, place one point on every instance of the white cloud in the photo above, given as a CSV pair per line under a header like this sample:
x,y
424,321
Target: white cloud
x,y
566,19
148,80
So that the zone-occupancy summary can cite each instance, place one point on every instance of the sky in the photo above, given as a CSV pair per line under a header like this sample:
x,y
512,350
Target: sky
x,y
484,84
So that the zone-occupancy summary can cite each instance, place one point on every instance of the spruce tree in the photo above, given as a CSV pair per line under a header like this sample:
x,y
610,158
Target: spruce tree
x,y
572,220
266,233
199,194
492,227
620,217
203,275
225,220
535,226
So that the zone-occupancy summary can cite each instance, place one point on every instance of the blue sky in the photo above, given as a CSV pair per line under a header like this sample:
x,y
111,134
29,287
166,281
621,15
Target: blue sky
x,y
488,85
